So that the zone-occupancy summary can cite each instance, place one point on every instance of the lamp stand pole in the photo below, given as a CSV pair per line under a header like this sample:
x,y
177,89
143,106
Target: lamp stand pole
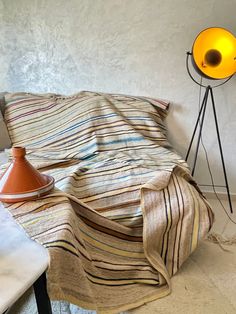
x,y
199,122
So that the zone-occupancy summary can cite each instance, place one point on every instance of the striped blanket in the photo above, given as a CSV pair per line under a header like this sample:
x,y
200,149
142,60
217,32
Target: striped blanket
x,y
125,213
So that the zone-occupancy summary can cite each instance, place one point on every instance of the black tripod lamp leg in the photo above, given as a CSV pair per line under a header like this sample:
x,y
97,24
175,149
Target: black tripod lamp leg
x,y
221,150
197,122
200,132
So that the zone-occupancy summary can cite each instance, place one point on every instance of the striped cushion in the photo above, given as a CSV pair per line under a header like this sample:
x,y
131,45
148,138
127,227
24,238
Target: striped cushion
x,y
85,121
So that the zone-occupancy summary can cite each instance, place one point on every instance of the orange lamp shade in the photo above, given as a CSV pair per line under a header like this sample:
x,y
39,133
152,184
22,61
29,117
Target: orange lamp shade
x,y
214,53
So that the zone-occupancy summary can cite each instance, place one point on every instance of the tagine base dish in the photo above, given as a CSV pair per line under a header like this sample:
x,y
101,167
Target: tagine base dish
x,y
29,195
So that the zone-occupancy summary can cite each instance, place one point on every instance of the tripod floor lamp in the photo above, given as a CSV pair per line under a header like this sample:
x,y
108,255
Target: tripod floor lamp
x,y
213,56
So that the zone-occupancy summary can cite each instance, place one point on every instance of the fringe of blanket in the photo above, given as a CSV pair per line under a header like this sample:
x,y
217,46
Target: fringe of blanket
x,y
221,240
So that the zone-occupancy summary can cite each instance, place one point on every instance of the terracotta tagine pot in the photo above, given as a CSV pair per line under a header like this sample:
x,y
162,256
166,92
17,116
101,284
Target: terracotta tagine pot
x,y
21,181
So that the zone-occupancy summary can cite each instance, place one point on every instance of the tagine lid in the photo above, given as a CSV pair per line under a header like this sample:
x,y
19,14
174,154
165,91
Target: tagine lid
x,y
21,180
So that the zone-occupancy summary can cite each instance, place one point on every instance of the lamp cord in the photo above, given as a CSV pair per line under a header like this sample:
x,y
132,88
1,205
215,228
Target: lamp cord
x,y
207,159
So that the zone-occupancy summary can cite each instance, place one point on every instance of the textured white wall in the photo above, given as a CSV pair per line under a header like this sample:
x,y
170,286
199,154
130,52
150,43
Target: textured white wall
x,y
127,46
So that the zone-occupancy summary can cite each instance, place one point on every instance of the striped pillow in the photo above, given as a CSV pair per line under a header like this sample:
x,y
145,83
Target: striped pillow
x,y
76,122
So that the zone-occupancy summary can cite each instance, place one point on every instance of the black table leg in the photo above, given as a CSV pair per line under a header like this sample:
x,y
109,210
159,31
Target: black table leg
x,y
41,295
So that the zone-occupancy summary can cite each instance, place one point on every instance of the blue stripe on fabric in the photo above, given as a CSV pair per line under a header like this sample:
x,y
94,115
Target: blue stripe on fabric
x,y
102,183
126,140
84,122
75,126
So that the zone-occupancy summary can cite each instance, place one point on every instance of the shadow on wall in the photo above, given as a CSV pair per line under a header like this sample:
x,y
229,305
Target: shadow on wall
x,y
176,131
180,139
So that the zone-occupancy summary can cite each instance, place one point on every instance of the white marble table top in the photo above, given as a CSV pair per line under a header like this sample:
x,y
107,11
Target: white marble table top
x,y
22,260
3,157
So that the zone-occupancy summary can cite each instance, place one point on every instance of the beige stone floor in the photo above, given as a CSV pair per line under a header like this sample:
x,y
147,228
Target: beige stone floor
x,y
206,283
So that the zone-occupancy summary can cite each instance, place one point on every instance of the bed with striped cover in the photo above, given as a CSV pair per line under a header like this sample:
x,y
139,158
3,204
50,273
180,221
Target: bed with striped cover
x,y
125,213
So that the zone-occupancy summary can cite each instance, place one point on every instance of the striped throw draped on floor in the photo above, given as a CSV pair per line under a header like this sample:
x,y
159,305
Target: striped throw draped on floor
x,y
125,213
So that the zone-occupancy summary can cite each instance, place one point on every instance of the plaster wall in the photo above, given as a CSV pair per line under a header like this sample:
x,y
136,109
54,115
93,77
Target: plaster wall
x,y
126,46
